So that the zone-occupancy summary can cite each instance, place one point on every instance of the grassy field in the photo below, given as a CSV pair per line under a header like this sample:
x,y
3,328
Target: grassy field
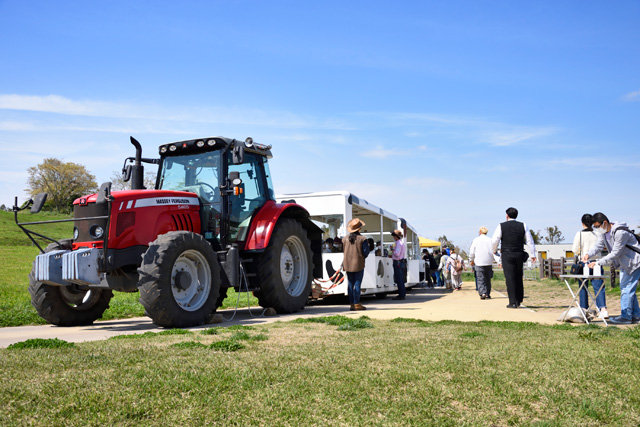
x,y
17,254
334,371
343,372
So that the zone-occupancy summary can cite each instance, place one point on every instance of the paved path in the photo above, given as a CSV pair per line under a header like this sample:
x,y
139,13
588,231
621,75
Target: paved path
x,y
426,304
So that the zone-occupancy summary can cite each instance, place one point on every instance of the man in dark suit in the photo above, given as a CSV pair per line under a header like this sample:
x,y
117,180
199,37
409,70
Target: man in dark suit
x,y
512,235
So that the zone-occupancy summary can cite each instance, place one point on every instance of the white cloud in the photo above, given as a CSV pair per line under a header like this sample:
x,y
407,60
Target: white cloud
x,y
381,153
122,110
632,96
472,129
593,163
512,136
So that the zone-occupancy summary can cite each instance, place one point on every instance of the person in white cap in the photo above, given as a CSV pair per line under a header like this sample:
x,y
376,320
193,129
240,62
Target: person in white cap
x,y
356,249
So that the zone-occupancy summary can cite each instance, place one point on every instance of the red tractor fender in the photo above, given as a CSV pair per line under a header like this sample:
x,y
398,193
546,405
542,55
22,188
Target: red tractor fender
x,y
264,222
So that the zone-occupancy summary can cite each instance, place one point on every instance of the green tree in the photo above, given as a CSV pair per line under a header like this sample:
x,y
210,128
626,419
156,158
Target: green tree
x,y
117,180
446,242
554,235
62,181
536,236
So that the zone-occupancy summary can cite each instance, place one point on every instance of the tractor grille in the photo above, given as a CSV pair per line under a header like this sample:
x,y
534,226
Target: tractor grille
x,y
182,222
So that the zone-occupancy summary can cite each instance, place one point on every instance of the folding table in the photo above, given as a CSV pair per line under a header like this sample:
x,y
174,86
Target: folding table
x,y
584,282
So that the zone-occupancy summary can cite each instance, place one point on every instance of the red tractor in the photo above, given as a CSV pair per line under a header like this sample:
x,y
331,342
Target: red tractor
x,y
210,224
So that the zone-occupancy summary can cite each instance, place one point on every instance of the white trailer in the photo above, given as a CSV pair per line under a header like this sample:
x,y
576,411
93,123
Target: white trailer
x,y
332,211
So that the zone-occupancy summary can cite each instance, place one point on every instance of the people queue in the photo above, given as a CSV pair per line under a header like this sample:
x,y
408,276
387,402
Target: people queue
x,y
506,248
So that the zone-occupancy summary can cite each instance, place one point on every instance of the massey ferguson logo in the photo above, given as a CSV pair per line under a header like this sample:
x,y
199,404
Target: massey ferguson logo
x,y
181,202
171,201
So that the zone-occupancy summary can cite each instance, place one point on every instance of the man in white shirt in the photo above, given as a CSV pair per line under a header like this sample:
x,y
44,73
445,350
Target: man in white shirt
x,y
512,236
481,259
399,254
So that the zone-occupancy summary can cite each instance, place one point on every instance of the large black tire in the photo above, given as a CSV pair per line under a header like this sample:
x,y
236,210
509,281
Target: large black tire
x,y
67,305
221,297
179,280
285,269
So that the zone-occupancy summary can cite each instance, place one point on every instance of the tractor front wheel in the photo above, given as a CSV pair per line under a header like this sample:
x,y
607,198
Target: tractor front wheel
x,y
179,280
285,269
67,305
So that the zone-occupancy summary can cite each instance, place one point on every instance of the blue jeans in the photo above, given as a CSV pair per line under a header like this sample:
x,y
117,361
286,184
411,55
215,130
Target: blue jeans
x,y
439,278
353,286
628,300
601,299
398,277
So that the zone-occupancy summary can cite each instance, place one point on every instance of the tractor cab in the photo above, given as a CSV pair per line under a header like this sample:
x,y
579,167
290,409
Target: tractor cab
x,y
231,179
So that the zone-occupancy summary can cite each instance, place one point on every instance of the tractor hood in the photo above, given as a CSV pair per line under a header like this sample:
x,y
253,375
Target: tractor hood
x,y
136,217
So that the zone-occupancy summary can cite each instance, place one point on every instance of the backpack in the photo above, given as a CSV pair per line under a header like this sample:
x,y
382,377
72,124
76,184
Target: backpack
x,y
457,264
633,248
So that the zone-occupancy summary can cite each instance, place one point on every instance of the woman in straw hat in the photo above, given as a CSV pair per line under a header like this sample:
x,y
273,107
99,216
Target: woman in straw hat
x,y
356,249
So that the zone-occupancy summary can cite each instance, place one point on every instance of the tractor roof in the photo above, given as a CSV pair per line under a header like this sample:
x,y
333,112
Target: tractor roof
x,y
213,143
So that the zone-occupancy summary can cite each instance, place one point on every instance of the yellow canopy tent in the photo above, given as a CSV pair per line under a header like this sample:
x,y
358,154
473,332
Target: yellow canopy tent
x,y
428,243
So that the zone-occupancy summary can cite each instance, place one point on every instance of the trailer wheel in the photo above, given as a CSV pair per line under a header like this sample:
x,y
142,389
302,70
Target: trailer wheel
x,y
179,280
67,305
285,269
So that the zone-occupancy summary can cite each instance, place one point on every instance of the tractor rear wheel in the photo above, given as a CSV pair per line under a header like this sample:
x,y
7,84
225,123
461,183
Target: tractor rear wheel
x,y
285,269
67,305
179,280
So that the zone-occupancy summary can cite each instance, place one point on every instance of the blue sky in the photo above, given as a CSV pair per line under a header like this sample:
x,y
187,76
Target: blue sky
x,y
445,113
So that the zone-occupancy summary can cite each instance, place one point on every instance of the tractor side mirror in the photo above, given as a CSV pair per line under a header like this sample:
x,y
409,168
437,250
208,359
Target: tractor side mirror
x,y
104,193
238,153
38,203
126,173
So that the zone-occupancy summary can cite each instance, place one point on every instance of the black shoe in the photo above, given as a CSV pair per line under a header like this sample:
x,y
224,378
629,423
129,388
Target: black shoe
x,y
398,298
488,296
619,320
635,320
483,296
512,306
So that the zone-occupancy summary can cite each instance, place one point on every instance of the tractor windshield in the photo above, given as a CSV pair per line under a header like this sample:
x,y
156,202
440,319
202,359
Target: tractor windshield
x,y
198,173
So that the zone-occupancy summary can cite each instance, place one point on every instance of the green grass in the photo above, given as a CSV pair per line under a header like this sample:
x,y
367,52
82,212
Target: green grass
x,y
307,373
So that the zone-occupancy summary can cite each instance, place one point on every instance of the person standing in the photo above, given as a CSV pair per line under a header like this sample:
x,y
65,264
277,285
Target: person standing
x,y
481,259
398,255
433,266
512,236
356,249
624,253
455,265
427,268
582,243
445,275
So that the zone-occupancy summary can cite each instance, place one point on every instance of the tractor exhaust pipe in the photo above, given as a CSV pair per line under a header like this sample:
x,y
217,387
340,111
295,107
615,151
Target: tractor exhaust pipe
x,y
137,170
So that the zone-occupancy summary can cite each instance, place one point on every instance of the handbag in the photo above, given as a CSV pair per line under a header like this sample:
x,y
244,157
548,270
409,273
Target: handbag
x,y
578,266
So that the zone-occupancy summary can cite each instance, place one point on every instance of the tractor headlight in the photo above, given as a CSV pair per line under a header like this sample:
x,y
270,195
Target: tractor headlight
x,y
211,142
163,149
76,233
172,148
200,144
97,231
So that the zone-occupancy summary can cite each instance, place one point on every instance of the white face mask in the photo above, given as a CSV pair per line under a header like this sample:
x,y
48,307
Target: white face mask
x,y
600,230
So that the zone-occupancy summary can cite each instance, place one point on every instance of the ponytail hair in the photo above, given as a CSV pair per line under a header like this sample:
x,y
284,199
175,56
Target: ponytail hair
x,y
587,220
